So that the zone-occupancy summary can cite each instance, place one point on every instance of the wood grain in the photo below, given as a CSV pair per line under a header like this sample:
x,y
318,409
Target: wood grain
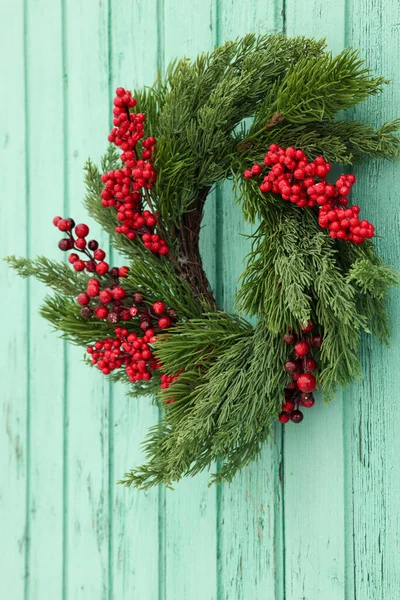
x,y
87,426
14,374
371,418
47,352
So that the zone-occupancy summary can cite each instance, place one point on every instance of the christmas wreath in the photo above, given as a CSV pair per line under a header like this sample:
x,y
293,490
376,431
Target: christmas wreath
x,y
266,111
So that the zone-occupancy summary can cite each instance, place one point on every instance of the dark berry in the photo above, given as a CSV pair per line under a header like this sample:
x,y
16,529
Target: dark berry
x,y
113,318
316,341
93,245
138,298
289,338
297,416
66,244
291,366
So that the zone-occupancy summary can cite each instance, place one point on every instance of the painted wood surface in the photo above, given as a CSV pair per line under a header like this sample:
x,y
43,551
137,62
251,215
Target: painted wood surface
x,y
318,517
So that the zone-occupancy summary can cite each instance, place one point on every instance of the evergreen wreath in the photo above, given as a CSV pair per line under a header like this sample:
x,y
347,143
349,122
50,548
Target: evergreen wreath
x,y
312,279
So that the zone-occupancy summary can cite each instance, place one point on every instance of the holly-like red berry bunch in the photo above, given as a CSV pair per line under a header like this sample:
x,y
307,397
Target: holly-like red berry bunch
x,y
105,297
298,393
92,257
128,189
296,179
126,350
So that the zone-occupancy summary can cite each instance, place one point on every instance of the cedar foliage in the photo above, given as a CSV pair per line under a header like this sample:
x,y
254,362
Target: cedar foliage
x,y
231,373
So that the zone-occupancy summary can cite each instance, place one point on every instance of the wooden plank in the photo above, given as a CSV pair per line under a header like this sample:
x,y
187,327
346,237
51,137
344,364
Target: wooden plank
x,y
314,461
45,151
372,420
15,360
250,518
189,28
135,542
87,570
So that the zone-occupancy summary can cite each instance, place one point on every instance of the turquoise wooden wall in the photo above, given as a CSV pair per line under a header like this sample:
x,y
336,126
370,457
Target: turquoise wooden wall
x,y
319,517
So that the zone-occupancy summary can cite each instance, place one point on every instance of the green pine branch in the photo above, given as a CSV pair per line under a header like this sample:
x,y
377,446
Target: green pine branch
x,y
57,275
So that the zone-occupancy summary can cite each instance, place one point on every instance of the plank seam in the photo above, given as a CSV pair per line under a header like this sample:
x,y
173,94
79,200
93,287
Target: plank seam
x,y
28,319
65,348
162,555
111,440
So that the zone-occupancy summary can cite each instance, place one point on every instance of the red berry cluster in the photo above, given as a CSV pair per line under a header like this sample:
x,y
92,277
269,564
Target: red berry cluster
x,y
299,391
126,188
166,380
293,177
93,263
105,297
126,350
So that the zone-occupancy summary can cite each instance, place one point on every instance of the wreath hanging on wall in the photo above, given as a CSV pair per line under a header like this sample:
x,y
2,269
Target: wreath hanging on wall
x,y
312,278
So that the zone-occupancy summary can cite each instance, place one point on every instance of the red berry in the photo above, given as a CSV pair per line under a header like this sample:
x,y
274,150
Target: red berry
x,y
56,220
99,254
105,296
311,364
256,169
102,268
79,265
102,312
164,323
307,327
64,225
73,257
288,406
92,290
118,293
80,243
123,272
306,382
302,348
81,230
83,299
159,308
283,417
